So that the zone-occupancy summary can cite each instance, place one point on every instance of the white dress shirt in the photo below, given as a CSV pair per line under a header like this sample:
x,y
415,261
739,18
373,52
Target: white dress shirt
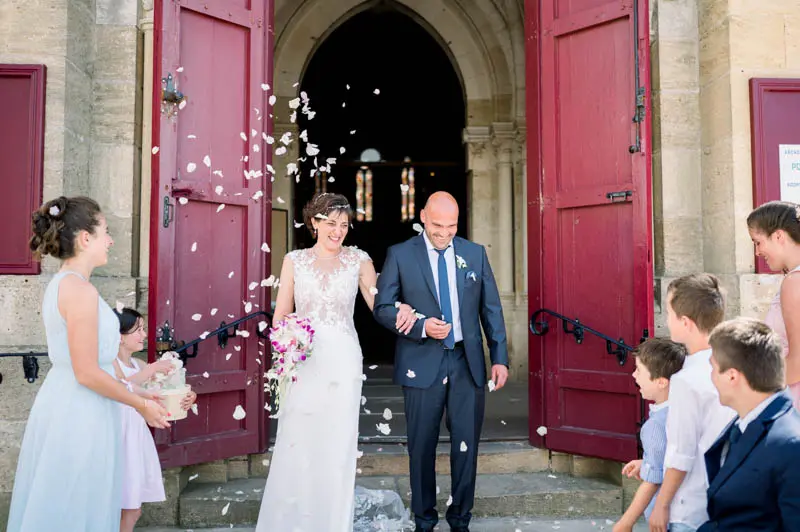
x,y
695,420
450,261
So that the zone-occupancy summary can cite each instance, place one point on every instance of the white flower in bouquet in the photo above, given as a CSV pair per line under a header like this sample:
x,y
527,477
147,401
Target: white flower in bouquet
x,y
292,340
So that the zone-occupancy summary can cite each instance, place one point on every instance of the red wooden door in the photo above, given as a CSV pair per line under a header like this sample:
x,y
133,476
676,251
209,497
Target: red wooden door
x,y
590,209
206,240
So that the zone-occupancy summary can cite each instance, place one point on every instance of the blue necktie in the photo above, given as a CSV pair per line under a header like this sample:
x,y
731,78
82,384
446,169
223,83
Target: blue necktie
x,y
735,434
444,298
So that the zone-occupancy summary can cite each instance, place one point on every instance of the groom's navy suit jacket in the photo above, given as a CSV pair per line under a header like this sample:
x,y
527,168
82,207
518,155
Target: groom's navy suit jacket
x,y
407,278
758,486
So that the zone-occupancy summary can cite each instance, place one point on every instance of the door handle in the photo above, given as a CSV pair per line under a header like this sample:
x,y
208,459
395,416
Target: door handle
x,y
188,191
168,212
621,195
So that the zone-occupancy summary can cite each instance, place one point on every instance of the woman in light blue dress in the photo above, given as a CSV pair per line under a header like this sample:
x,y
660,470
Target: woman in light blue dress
x,y
68,473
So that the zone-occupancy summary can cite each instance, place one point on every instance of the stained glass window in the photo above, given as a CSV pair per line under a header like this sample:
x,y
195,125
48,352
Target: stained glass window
x,y
364,194
360,195
407,206
320,182
368,195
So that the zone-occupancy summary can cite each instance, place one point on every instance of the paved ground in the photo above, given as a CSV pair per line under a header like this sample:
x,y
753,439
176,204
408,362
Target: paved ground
x,y
499,524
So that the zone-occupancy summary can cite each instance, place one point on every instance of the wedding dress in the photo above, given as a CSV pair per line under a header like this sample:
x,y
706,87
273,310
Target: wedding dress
x,y
311,482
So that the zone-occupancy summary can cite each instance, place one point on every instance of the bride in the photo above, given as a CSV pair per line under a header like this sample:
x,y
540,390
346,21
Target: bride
x,y
311,482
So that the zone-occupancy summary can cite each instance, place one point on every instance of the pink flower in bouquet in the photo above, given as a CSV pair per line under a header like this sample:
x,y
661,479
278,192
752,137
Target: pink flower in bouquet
x,y
292,340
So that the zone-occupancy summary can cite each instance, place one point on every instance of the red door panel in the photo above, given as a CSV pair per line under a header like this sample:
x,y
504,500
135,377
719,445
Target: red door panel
x,y
592,229
205,240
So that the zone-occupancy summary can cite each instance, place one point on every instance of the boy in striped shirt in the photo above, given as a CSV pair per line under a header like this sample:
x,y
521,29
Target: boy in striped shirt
x,y
657,360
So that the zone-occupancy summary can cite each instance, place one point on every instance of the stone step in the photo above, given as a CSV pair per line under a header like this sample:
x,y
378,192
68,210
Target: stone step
x,y
389,459
493,458
485,524
497,495
506,416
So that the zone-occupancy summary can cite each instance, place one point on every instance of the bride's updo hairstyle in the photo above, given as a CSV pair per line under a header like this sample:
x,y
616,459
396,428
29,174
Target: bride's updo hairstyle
x,y
323,205
775,215
56,225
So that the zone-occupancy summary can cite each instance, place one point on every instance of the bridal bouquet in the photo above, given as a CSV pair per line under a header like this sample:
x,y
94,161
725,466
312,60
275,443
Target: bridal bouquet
x,y
292,340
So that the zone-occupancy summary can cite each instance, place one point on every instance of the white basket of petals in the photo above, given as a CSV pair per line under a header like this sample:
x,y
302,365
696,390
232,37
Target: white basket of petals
x,y
171,386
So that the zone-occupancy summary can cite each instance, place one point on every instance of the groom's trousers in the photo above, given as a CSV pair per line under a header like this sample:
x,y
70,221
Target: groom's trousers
x,y
455,393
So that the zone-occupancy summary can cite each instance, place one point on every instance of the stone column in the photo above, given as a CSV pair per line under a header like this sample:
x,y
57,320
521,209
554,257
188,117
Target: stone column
x,y
677,187
502,141
738,41
521,213
481,209
115,121
146,28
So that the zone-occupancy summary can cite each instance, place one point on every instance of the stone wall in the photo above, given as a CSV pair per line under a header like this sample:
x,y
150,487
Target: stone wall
x,y
703,54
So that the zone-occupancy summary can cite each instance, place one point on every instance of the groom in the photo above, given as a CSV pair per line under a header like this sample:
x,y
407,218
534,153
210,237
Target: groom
x,y
440,363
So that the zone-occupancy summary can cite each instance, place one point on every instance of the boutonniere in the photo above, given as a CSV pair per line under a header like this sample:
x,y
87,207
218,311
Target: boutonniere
x,y
471,275
460,262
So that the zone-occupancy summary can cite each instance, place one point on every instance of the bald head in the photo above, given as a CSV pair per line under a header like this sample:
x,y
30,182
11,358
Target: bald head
x,y
441,201
440,218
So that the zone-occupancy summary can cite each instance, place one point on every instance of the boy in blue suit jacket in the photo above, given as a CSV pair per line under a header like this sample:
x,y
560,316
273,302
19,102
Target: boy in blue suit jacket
x,y
754,467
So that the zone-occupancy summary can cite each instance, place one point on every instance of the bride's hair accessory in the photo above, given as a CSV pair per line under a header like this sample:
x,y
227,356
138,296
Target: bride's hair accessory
x,y
322,205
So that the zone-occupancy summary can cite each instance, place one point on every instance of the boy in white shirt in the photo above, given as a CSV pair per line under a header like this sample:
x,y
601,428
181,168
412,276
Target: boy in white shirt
x,y
695,305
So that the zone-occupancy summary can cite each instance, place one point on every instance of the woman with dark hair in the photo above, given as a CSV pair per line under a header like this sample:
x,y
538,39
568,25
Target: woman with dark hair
x,y
68,472
311,482
775,230
141,468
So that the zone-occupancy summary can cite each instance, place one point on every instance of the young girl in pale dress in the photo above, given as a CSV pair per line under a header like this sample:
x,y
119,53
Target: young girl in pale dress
x,y
141,470
68,475
775,230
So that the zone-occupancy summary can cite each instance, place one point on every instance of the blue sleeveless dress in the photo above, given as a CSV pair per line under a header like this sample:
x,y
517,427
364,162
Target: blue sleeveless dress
x,y
69,470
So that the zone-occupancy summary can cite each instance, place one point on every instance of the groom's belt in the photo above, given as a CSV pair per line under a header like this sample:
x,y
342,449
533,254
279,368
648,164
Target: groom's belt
x,y
457,345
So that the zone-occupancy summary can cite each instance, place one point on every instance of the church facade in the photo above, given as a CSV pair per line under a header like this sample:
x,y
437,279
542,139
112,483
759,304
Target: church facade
x,y
602,148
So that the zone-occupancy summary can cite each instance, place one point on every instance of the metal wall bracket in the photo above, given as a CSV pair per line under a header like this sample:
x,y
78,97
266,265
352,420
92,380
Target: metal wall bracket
x,y
30,365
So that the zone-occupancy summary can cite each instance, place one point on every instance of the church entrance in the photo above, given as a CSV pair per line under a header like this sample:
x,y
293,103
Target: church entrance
x,y
390,109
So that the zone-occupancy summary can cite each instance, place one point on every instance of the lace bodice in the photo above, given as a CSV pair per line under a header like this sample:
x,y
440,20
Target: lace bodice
x,y
325,289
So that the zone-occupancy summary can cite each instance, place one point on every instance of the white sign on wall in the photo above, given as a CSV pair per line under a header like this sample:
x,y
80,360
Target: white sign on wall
x,y
789,157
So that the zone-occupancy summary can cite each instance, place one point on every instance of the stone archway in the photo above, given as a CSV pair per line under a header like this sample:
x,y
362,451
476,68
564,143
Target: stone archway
x,y
300,26
485,42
